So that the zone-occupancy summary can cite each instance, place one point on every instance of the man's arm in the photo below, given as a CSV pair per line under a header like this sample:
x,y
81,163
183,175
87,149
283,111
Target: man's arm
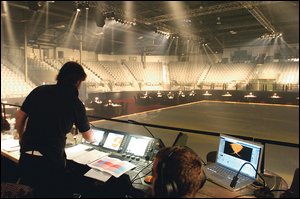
x,y
88,135
21,118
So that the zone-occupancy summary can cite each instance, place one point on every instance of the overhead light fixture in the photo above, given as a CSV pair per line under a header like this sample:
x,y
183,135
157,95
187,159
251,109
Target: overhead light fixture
x,y
80,5
233,32
109,15
99,33
272,35
60,26
164,33
34,5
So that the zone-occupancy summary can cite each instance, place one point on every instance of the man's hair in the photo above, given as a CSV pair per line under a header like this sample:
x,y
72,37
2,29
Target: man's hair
x,y
70,73
183,167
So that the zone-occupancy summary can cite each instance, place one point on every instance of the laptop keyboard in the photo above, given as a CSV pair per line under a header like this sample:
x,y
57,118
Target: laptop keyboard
x,y
222,171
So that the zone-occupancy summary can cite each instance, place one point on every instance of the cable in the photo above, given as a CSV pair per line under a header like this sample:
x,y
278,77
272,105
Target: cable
x,y
235,178
142,176
133,179
275,177
93,125
263,192
202,161
135,122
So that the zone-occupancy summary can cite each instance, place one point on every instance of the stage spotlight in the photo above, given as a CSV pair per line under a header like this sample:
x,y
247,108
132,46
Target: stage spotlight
x,y
34,5
110,15
86,5
100,18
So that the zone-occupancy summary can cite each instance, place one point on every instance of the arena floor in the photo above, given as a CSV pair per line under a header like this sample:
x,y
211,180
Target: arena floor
x,y
265,121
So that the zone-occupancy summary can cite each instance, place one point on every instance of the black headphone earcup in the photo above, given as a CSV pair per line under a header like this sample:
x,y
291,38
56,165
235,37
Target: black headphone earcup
x,y
159,184
165,190
171,188
164,187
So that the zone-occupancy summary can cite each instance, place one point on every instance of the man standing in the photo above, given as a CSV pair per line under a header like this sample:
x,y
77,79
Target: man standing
x,y
46,116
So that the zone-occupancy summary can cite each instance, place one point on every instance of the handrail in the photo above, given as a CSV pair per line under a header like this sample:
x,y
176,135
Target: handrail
x,y
201,132
264,141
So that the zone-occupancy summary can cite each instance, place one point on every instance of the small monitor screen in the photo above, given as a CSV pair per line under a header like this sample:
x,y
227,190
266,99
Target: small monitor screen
x,y
113,141
137,146
98,135
234,152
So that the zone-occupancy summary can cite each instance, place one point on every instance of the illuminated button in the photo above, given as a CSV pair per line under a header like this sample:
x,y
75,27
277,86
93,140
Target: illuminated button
x,y
148,179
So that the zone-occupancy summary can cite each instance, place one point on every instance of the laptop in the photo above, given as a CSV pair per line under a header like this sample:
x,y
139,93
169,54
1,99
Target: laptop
x,y
232,154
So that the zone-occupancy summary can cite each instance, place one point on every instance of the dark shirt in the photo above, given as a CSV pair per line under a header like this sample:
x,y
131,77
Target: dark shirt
x,y
52,110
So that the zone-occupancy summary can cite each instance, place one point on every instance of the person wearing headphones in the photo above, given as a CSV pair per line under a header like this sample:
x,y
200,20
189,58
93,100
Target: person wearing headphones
x,y
177,173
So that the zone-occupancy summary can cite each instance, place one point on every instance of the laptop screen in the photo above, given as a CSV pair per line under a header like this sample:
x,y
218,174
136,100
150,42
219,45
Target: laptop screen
x,y
234,152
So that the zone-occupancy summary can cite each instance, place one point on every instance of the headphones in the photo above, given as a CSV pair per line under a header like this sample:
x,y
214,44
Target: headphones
x,y
166,186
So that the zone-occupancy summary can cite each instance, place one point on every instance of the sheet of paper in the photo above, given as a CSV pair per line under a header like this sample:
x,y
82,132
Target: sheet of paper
x,y
90,156
10,145
112,166
98,175
76,150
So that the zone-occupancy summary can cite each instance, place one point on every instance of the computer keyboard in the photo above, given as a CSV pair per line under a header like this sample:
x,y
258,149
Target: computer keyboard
x,y
221,171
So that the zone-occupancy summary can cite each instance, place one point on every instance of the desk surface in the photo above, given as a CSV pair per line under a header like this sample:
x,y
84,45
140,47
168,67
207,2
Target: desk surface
x,y
14,155
210,190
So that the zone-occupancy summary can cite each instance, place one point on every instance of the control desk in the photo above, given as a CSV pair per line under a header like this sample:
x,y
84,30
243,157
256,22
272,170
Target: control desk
x,y
137,149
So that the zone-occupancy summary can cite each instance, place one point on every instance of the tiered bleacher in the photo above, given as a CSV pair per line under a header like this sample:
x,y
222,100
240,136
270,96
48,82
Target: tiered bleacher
x,y
289,73
185,73
226,73
120,74
134,75
13,84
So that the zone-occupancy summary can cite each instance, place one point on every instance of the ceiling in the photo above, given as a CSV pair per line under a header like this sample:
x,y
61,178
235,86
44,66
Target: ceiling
x,y
219,24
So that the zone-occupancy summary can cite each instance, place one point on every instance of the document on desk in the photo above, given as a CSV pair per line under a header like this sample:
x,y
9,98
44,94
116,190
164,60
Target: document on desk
x,y
75,151
112,166
98,175
90,156
10,145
